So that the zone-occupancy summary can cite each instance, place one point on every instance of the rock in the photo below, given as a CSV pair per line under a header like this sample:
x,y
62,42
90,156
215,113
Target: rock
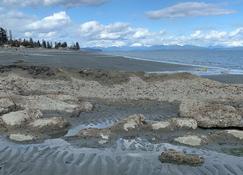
x,y
211,114
45,103
104,134
160,125
54,123
21,137
189,140
236,133
86,107
102,142
175,157
131,122
6,106
83,106
184,123
69,106
18,118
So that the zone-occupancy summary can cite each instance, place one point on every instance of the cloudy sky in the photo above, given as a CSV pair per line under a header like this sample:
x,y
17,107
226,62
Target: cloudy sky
x,y
133,23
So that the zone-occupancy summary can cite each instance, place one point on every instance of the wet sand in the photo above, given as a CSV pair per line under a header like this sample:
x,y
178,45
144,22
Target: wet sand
x,y
230,79
78,60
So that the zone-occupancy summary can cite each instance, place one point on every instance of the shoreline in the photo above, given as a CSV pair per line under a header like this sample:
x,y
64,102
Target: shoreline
x,y
199,67
100,61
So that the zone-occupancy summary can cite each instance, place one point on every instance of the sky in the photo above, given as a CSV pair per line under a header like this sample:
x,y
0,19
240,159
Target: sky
x,y
132,23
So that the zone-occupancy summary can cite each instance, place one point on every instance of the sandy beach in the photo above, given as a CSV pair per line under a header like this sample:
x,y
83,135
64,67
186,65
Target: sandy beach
x,y
95,114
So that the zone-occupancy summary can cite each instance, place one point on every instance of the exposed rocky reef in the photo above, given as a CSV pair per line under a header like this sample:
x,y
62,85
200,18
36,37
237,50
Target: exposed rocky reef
x,y
38,103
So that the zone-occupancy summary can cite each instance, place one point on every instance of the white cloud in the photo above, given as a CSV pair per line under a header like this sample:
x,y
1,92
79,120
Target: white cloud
x,y
59,27
54,22
214,37
116,34
68,3
186,9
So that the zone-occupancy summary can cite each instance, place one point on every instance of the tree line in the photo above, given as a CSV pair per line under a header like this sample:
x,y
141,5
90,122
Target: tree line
x,y
42,44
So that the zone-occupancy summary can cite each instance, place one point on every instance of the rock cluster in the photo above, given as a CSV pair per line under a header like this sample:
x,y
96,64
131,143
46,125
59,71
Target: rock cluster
x,y
23,114
175,123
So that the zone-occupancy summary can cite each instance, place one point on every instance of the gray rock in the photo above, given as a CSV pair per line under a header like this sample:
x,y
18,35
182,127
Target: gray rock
x,y
95,133
6,106
131,122
186,123
21,137
190,140
47,124
18,118
175,157
160,125
211,114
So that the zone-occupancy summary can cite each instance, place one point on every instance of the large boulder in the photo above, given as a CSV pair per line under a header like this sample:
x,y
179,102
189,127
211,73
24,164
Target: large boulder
x,y
18,118
180,158
211,114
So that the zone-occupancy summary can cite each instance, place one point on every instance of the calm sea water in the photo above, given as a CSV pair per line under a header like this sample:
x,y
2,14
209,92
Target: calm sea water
x,y
211,61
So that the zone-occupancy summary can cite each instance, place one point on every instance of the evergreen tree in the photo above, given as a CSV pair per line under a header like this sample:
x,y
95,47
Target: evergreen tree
x,y
31,43
77,47
38,44
64,45
44,44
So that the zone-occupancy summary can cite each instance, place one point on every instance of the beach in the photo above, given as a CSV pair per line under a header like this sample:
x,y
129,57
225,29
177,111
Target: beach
x,y
68,112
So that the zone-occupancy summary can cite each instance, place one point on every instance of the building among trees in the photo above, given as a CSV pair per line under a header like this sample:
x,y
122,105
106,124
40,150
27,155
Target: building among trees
x,y
3,36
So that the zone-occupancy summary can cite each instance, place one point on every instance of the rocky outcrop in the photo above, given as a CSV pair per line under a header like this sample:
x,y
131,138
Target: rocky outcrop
x,y
18,118
95,133
236,133
185,123
209,114
175,123
6,106
21,137
45,103
190,140
180,158
49,124
160,125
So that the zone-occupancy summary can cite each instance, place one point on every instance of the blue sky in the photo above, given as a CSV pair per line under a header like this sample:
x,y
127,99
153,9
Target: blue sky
x,y
132,23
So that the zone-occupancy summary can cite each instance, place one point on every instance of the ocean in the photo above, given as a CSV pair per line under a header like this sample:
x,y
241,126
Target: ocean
x,y
211,61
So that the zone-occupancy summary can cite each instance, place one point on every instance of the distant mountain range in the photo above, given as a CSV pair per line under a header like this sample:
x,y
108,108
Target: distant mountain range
x,y
157,48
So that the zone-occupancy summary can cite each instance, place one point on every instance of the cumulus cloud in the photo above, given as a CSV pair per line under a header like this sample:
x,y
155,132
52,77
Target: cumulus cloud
x,y
186,9
53,22
68,3
232,38
59,27
116,34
